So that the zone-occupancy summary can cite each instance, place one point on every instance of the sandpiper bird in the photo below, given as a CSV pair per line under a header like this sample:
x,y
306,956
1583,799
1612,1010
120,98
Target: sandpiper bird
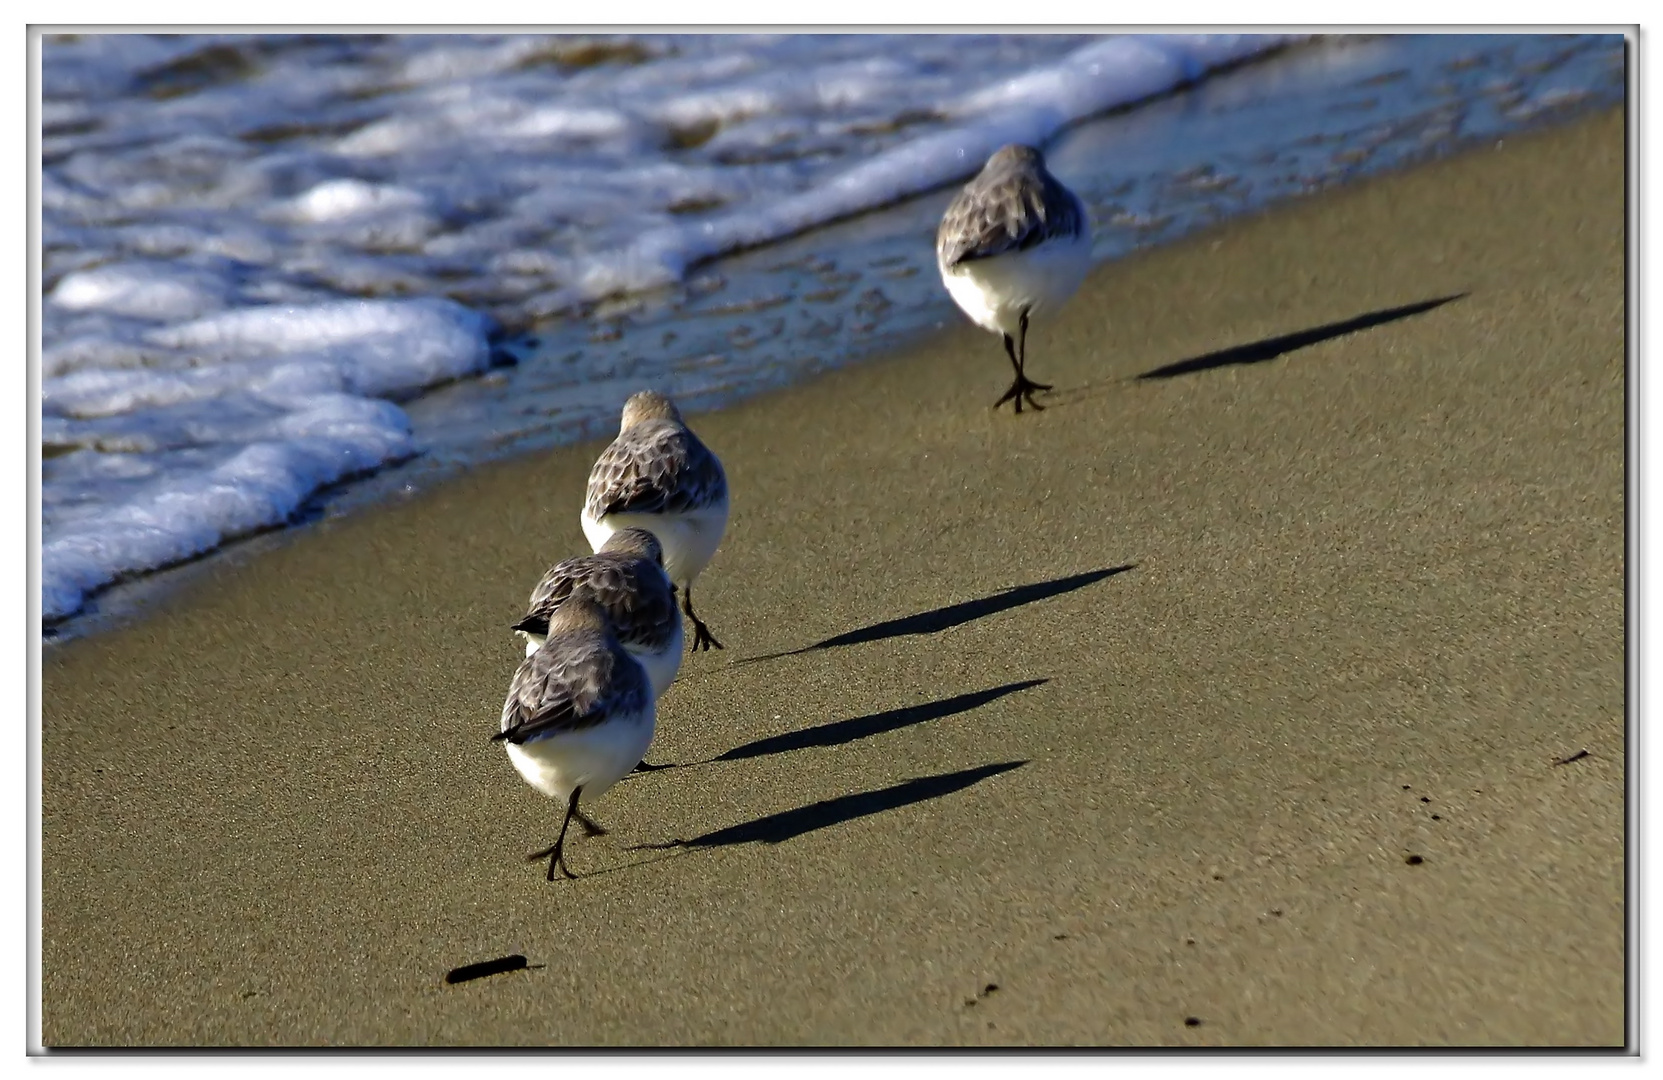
x,y
1013,244
579,715
658,476
626,578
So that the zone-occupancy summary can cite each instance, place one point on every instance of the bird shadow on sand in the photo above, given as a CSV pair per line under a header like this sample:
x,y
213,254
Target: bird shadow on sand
x,y
1257,352
846,731
945,618
839,732
790,824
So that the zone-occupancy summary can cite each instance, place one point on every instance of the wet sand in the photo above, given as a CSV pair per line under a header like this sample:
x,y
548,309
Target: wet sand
x,y
1218,704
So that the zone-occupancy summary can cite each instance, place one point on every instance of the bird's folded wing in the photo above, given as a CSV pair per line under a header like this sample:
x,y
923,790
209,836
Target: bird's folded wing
x,y
654,469
552,693
1012,215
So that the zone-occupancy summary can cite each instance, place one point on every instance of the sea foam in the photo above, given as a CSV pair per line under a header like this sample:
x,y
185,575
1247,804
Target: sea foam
x,y
277,401
255,247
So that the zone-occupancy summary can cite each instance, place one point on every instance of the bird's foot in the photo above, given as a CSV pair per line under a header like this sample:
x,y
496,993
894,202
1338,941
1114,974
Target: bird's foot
x,y
1022,389
557,861
703,639
589,825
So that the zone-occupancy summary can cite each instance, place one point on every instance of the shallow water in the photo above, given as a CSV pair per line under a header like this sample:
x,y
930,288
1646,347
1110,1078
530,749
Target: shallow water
x,y
547,202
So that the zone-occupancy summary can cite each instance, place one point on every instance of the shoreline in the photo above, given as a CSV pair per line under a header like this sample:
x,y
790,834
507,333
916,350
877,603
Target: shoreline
x,y
1166,681
861,289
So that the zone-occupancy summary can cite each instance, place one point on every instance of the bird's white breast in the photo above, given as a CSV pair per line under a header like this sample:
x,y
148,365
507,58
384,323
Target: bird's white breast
x,y
593,758
661,666
689,538
994,292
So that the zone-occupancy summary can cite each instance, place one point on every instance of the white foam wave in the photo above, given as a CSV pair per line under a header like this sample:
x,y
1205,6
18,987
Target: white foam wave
x,y
1028,108
225,217
274,403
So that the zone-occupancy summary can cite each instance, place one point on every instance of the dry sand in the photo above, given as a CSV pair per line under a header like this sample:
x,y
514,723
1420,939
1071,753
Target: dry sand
x,y
1366,593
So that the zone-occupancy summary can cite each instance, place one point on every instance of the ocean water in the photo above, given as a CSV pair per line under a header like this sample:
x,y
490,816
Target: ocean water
x,y
285,276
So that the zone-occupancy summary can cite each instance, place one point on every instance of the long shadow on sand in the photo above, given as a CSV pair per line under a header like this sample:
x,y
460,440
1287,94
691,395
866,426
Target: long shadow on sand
x,y
945,618
846,731
778,828
1270,348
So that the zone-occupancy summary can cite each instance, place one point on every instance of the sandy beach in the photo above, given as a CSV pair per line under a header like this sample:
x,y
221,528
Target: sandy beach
x,y
1219,704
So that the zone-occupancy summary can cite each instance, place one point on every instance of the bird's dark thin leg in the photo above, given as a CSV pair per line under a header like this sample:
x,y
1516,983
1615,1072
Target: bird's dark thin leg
x,y
1016,385
1022,356
556,855
590,826
702,637
1022,388
1028,385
